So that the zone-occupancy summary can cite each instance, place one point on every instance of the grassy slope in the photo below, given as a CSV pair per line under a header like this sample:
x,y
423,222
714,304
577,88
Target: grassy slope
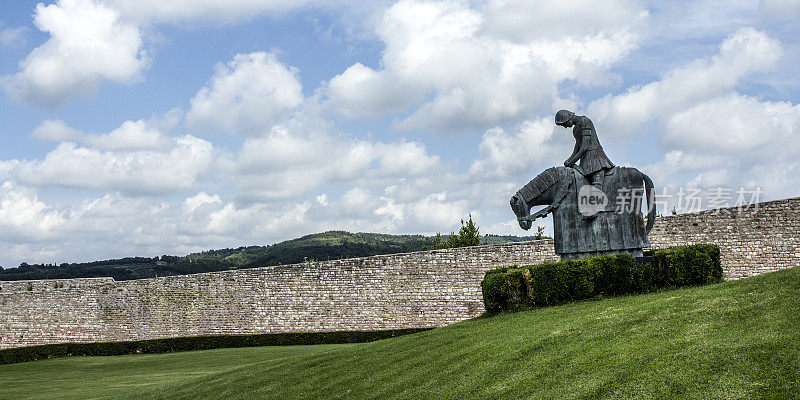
x,y
732,340
94,377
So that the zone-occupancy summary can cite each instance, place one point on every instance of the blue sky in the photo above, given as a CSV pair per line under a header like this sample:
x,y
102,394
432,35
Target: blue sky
x,y
149,127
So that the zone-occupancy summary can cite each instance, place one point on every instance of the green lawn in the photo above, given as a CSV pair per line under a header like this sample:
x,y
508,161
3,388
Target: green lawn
x,y
111,377
735,340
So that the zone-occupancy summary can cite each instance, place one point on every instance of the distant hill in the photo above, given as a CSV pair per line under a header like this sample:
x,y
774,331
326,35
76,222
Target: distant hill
x,y
316,247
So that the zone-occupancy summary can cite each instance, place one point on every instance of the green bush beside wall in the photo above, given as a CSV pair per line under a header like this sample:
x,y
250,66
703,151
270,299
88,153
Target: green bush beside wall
x,y
31,353
559,282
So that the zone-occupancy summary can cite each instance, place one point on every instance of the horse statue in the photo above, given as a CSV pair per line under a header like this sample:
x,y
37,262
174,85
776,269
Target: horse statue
x,y
588,221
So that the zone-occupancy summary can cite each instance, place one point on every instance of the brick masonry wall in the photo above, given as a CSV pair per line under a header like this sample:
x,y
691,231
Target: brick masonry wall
x,y
421,289
759,239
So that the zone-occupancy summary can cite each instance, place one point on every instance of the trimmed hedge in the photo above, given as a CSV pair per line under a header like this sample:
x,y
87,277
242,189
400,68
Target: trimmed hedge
x,y
552,283
168,345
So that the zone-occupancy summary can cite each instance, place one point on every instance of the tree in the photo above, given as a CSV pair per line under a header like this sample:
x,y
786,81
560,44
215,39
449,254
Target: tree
x,y
468,235
438,242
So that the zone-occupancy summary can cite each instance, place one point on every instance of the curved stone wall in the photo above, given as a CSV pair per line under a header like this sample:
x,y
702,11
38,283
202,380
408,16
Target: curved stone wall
x,y
421,289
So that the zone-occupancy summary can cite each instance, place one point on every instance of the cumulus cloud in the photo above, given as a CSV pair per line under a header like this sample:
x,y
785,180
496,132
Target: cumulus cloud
x,y
737,124
247,96
23,217
411,206
359,201
130,136
56,130
735,140
290,151
207,217
298,156
744,52
504,153
88,45
456,67
114,225
135,158
6,166
435,211
109,226
360,91
525,20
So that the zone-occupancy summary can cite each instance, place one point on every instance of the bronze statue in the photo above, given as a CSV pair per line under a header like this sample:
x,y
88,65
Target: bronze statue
x,y
596,206
594,161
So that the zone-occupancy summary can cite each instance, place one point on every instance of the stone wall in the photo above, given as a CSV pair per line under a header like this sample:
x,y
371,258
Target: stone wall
x,y
420,289
762,238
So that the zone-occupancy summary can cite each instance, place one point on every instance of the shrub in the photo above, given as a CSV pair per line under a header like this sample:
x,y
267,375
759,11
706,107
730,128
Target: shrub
x,y
615,274
494,291
31,353
688,265
515,286
558,282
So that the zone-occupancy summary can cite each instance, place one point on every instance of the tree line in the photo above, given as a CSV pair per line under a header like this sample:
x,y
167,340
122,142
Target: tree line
x,y
317,247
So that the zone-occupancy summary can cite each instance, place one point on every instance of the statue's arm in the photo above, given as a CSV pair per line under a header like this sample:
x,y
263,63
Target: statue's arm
x,y
571,160
580,148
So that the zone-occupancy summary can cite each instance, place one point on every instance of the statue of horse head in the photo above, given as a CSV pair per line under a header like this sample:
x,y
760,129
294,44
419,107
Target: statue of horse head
x,y
541,190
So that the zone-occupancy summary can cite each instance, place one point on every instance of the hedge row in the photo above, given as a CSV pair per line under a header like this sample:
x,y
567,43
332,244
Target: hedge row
x,y
168,345
559,282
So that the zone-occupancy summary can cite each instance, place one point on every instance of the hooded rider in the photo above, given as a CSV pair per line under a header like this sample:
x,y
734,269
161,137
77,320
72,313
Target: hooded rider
x,y
593,160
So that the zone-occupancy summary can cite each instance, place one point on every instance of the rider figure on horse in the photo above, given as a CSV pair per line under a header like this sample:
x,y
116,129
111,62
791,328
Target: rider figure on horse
x,y
593,160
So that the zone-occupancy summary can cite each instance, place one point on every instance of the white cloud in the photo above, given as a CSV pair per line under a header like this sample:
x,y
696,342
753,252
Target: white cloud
x,y
113,226
455,67
6,166
192,203
744,52
504,153
303,153
247,96
435,211
217,11
525,20
56,130
735,140
409,206
23,217
359,202
206,217
88,46
13,37
360,91
175,168
130,136
780,8
737,124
